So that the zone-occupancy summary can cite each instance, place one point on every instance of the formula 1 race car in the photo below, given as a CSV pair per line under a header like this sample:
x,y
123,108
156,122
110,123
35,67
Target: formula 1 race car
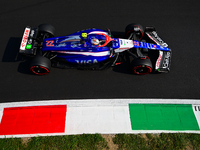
x,y
95,49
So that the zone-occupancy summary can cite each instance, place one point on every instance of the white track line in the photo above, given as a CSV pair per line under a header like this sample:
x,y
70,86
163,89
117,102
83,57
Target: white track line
x,y
100,102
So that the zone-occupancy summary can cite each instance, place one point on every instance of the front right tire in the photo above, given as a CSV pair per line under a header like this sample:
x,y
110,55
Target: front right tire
x,y
141,66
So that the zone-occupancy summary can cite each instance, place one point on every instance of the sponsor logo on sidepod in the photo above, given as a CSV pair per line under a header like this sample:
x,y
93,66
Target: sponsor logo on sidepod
x,y
86,61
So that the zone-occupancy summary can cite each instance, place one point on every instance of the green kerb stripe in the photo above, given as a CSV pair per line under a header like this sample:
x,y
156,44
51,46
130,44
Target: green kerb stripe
x,y
162,117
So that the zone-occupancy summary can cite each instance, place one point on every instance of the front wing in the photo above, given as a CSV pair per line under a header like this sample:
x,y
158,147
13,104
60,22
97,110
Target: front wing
x,y
164,59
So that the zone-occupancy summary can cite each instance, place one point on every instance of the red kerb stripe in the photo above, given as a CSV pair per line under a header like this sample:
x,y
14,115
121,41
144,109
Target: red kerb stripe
x,y
33,120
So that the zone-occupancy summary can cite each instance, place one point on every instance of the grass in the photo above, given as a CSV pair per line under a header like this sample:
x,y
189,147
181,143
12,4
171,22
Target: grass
x,y
85,142
11,144
176,141
162,141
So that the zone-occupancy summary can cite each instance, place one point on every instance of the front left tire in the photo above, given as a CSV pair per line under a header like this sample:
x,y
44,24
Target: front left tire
x,y
136,29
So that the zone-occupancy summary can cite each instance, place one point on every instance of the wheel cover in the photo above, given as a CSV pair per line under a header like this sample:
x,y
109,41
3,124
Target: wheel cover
x,y
39,70
142,70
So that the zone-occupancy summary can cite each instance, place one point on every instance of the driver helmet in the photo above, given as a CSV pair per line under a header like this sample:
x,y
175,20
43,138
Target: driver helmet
x,y
95,41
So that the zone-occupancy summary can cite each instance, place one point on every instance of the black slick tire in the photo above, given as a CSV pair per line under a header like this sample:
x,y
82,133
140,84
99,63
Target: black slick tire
x,y
40,65
141,66
47,29
136,28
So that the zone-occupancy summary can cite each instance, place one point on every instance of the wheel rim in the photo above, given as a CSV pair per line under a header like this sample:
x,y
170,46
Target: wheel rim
x,y
39,70
142,69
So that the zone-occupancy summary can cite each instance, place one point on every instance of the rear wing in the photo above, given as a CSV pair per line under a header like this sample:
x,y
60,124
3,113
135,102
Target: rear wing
x,y
164,59
28,42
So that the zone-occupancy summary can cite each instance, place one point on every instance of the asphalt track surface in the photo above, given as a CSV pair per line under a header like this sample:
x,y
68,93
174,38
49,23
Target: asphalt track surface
x,y
177,23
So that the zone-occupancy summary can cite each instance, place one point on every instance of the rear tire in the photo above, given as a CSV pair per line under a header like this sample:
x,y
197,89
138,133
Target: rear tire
x,y
141,66
40,65
46,29
136,28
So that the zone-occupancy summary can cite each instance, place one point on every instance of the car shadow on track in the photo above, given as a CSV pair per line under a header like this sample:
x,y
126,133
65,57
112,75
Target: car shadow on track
x,y
123,68
11,55
11,51
126,66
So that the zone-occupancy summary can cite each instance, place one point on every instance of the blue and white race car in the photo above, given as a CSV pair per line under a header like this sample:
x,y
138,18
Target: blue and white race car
x,y
95,49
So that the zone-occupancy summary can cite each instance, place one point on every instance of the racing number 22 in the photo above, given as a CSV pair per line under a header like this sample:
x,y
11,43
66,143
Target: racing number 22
x,y
135,43
50,43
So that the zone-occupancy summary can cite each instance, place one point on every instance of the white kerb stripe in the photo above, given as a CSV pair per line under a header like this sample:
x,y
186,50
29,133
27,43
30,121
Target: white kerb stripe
x,y
197,113
99,119
1,113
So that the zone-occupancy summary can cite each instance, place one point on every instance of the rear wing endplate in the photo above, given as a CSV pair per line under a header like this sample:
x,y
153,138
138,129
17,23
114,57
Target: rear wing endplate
x,y
27,45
